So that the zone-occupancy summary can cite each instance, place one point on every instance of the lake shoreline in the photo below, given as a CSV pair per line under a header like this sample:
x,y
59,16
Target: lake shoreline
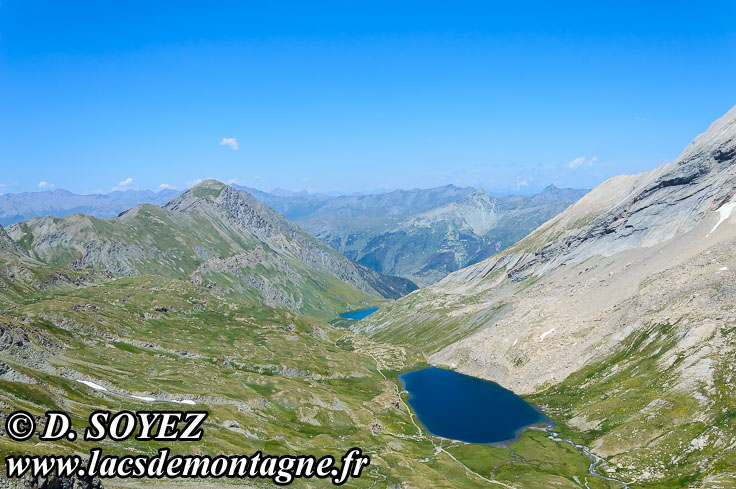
x,y
460,408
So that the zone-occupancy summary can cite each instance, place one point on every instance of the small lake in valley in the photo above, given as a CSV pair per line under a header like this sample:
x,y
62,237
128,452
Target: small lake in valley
x,y
464,408
360,314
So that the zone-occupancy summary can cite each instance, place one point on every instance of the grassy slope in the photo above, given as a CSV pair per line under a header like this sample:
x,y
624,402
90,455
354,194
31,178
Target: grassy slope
x,y
292,384
158,242
636,415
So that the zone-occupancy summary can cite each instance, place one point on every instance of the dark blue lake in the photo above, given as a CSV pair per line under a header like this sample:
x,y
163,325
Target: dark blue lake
x,y
358,315
460,407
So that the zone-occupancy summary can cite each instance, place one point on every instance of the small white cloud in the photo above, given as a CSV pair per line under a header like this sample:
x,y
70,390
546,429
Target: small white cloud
x,y
45,184
126,182
581,161
166,186
232,142
192,183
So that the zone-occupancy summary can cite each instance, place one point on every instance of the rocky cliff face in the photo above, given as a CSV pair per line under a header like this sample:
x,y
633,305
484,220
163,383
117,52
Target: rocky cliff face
x,y
640,211
211,234
617,316
533,314
8,248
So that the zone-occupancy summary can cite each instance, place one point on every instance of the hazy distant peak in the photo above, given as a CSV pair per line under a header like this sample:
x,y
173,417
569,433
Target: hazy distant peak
x,y
479,193
59,203
290,193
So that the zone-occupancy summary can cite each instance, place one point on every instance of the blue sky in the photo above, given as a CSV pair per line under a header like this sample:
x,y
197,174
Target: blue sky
x,y
355,96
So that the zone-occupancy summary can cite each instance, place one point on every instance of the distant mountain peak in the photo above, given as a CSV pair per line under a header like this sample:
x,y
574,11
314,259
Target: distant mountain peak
x,y
59,203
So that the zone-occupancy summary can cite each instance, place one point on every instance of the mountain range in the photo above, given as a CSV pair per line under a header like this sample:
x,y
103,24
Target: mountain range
x,y
215,235
58,203
215,300
421,234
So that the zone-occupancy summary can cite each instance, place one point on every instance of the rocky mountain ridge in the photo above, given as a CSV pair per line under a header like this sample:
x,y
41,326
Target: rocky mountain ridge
x,y
298,207
210,234
618,313
624,218
422,234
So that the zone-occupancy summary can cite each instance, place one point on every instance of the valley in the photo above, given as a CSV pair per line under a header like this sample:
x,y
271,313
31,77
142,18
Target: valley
x,y
271,381
371,245
122,314
421,234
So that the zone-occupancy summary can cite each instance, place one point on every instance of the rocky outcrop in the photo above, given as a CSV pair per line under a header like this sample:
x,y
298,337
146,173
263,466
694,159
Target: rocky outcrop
x,y
52,482
8,249
244,212
653,208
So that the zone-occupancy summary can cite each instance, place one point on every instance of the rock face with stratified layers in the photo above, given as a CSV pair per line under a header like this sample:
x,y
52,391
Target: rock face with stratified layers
x,y
569,292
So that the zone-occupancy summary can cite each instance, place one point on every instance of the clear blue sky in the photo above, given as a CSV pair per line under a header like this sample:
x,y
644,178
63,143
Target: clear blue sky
x,y
355,96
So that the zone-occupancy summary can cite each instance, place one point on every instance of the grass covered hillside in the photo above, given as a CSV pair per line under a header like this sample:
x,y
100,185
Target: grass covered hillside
x,y
215,236
270,379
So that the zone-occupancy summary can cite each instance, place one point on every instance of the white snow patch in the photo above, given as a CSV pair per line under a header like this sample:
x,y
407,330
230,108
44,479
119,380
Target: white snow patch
x,y
515,342
723,269
140,398
144,398
96,387
725,211
185,401
546,333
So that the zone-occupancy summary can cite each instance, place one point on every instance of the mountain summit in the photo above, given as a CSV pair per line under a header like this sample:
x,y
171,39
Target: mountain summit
x,y
212,234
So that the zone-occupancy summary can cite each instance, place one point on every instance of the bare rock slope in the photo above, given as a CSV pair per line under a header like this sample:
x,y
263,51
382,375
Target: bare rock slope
x,y
635,250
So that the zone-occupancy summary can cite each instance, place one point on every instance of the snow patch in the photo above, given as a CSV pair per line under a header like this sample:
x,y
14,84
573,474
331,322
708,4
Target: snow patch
x,y
723,269
144,398
185,401
96,387
546,333
725,211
